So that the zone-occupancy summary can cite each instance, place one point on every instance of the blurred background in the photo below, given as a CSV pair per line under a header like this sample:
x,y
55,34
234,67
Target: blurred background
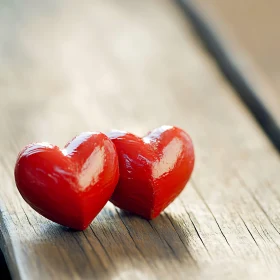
x,y
59,59
254,24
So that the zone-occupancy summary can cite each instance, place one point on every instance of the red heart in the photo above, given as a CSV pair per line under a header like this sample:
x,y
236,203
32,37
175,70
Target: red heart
x,y
72,185
153,169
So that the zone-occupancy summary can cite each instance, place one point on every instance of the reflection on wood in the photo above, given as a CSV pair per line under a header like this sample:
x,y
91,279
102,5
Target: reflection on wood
x,y
133,65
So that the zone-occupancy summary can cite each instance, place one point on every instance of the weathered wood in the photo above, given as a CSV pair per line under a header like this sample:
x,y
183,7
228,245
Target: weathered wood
x,y
70,67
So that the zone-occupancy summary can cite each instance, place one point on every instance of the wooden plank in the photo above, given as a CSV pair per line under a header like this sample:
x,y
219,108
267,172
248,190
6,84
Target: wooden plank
x,y
134,65
247,32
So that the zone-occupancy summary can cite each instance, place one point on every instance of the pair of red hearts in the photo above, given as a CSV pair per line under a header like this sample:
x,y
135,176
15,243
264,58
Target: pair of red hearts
x,y
72,185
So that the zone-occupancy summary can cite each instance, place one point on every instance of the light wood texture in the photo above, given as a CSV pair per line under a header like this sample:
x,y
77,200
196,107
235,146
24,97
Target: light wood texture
x,y
250,32
75,66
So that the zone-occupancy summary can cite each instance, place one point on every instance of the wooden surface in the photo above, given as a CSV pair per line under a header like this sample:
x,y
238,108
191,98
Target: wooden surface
x,y
133,65
250,32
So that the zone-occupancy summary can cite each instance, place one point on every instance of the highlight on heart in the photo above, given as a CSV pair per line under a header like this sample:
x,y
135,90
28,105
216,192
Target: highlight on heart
x,y
154,169
69,186
142,175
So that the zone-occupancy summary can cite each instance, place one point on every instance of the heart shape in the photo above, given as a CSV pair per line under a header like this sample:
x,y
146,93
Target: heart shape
x,y
153,169
68,186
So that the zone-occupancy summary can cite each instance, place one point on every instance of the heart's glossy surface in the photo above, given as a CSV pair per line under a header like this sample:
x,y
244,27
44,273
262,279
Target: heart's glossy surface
x,y
153,169
68,186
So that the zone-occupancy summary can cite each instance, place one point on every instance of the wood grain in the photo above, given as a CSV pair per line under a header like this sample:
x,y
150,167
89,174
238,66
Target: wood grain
x,y
133,65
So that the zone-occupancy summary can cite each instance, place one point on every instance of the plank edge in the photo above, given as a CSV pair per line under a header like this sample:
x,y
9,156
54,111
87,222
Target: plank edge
x,y
236,77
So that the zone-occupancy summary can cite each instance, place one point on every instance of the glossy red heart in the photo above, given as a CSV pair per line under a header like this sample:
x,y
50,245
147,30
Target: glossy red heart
x,y
153,169
68,186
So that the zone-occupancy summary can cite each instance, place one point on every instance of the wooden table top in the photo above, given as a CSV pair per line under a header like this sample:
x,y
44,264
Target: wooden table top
x,y
68,67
